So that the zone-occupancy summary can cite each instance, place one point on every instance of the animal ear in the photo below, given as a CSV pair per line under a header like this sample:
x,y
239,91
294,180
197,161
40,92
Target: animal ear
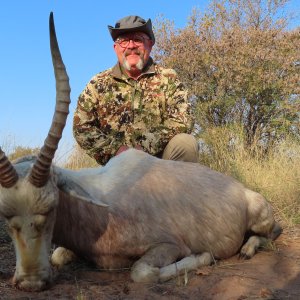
x,y
69,185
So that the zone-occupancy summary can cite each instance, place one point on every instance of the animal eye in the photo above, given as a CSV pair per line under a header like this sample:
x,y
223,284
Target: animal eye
x,y
45,214
8,215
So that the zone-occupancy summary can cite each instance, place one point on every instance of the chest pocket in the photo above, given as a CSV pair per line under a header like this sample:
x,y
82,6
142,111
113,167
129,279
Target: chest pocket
x,y
116,109
152,107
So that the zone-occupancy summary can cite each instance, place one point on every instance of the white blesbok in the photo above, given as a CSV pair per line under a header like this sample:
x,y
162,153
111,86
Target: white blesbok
x,y
159,217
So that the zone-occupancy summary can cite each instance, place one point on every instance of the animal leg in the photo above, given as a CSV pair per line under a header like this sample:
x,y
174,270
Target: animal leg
x,y
251,246
255,242
185,265
62,256
147,268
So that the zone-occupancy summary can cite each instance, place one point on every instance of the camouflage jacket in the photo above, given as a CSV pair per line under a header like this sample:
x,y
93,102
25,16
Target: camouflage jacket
x,y
115,110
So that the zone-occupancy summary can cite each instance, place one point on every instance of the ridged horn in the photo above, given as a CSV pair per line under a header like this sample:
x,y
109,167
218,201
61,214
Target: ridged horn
x,y
8,174
40,171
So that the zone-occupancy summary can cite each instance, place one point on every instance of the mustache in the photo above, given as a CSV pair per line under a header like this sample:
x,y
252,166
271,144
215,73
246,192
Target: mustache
x,y
134,51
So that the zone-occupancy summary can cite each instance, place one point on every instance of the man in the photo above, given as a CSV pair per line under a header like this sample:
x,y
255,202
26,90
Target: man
x,y
136,103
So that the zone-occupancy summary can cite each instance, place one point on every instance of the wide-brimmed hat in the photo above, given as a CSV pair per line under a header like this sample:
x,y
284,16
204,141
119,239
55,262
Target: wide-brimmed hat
x,y
131,24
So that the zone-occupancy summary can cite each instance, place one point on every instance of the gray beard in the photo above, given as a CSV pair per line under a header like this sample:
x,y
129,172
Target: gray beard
x,y
139,65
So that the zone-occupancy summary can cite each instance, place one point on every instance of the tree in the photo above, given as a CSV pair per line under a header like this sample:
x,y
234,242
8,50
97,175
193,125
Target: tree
x,y
241,65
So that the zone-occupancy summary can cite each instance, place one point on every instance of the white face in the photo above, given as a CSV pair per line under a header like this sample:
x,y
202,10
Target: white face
x,y
134,55
30,215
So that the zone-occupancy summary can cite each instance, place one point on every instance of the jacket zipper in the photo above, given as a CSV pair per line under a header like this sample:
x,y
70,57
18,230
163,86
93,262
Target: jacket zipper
x,y
132,101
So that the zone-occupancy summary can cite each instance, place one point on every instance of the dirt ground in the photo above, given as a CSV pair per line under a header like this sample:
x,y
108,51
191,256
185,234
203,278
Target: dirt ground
x,y
271,274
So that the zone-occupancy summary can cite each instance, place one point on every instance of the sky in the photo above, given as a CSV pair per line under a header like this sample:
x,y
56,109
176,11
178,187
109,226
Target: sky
x,y
27,97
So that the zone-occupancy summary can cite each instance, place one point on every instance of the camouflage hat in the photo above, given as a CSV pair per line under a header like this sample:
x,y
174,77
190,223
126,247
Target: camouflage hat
x,y
131,24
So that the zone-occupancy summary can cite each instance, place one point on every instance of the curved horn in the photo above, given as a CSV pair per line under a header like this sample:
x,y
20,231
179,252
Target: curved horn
x,y
8,174
41,169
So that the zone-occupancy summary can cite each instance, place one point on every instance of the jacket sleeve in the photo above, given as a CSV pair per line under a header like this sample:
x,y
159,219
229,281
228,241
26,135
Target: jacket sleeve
x,y
87,128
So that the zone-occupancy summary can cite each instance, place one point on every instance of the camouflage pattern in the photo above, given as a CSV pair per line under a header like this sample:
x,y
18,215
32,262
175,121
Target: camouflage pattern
x,y
115,110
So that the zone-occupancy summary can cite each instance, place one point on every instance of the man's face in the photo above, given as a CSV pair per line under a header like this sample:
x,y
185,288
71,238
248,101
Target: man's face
x,y
133,50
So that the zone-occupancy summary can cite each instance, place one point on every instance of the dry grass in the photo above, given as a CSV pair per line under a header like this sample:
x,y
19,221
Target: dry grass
x,y
79,159
276,175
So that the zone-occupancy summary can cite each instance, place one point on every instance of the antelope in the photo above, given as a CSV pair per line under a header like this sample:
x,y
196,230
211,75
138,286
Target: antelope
x,y
159,217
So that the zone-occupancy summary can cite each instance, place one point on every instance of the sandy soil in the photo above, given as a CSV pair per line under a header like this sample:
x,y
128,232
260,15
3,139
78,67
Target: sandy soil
x,y
271,274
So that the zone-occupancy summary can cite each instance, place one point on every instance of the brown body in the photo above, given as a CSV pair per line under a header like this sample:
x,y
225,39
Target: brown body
x,y
152,201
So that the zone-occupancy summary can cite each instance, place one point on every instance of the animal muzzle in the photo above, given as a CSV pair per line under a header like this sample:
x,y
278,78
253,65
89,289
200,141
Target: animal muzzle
x,y
276,231
33,282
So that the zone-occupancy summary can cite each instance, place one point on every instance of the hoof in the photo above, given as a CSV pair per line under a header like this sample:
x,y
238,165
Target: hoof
x,y
142,272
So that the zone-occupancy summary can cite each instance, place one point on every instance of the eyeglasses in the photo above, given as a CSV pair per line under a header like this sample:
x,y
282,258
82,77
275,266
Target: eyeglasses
x,y
137,40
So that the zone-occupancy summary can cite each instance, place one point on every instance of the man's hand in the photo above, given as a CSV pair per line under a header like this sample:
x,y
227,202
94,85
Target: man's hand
x,y
124,148
138,147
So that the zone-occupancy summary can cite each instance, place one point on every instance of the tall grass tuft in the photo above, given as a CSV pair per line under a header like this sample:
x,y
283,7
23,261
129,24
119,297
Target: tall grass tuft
x,y
276,174
79,159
